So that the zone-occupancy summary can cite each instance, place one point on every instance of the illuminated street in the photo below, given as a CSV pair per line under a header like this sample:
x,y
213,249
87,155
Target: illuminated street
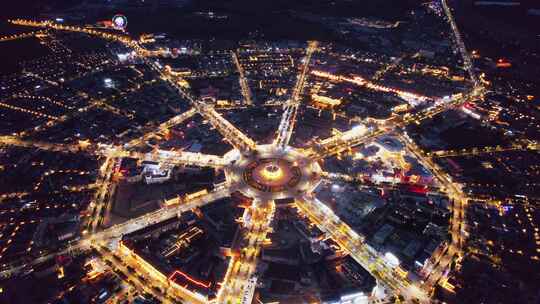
x,y
375,160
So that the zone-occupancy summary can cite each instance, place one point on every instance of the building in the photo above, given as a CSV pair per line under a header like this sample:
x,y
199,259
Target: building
x,y
154,174
383,233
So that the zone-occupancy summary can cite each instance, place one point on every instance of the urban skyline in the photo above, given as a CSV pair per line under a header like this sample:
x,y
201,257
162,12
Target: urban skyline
x,y
391,164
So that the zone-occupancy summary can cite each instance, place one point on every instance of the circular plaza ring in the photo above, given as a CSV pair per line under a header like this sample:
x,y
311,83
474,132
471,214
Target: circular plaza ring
x,y
272,175
270,172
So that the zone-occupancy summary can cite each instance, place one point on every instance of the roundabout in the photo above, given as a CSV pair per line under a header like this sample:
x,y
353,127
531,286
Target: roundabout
x,y
270,172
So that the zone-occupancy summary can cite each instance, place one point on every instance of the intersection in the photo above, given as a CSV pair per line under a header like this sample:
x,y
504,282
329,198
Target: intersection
x,y
270,172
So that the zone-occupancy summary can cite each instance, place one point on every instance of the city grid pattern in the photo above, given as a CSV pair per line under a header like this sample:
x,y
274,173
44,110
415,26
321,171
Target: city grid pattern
x,y
273,171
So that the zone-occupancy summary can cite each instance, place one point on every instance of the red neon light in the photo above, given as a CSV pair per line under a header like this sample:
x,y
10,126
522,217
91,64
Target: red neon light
x,y
205,285
418,189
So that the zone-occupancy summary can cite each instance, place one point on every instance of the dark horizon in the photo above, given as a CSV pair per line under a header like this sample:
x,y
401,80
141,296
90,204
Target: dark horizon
x,y
236,151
